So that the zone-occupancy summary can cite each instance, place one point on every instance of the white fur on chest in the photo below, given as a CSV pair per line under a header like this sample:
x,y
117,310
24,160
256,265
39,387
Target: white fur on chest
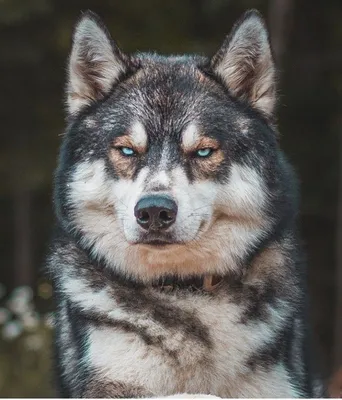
x,y
181,363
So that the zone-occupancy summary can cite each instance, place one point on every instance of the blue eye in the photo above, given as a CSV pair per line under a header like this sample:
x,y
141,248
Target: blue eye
x,y
127,151
204,152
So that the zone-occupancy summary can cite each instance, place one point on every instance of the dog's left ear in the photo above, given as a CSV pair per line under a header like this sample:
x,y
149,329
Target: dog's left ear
x,y
96,63
245,63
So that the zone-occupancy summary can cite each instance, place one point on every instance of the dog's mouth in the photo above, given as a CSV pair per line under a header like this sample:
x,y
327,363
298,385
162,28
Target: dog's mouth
x,y
157,241
165,240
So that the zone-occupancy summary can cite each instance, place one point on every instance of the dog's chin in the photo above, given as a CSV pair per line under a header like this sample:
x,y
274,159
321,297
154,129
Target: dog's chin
x,y
153,256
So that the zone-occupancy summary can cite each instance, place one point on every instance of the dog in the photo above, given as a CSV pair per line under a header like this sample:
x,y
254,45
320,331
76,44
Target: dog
x,y
176,262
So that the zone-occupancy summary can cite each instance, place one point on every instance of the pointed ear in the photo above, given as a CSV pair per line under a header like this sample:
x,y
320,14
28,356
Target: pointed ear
x,y
245,63
95,63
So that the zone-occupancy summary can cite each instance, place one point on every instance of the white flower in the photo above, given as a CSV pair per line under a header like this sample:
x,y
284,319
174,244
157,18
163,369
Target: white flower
x,y
30,320
34,342
23,292
18,305
12,330
20,300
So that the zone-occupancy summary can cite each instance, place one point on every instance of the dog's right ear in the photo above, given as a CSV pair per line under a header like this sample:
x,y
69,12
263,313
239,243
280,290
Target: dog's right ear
x,y
95,64
245,63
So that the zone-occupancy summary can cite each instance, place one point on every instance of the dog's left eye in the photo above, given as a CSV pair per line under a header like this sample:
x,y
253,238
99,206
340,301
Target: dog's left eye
x,y
204,152
127,151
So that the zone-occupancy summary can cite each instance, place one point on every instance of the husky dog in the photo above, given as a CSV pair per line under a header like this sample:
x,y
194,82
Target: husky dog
x,y
176,264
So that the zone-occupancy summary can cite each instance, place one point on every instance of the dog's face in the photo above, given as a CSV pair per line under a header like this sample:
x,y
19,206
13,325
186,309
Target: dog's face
x,y
170,165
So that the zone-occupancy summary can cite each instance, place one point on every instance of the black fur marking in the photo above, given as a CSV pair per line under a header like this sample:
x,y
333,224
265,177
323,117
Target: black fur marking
x,y
79,338
99,387
63,389
257,301
254,299
98,320
164,313
272,353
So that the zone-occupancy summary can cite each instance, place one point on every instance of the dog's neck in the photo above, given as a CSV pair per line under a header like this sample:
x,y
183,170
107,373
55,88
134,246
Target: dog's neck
x,y
207,283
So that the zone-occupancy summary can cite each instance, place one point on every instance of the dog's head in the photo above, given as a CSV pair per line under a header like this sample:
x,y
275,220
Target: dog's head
x,y
170,165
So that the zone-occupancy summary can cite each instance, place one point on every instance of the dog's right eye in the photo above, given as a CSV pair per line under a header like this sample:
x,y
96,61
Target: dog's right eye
x,y
203,153
127,151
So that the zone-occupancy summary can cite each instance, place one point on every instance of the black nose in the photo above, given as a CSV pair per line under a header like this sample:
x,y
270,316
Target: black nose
x,y
155,212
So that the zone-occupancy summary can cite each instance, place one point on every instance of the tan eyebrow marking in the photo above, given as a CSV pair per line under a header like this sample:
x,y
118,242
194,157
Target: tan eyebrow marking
x,y
193,139
138,134
203,142
126,141
123,141
189,136
135,138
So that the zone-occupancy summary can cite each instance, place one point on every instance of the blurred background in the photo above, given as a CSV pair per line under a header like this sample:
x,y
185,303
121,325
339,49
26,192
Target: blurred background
x,y
35,40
